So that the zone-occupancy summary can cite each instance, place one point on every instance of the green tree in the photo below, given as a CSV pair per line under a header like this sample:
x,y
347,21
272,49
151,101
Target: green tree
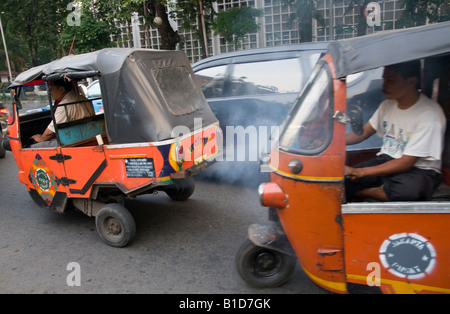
x,y
122,10
92,33
158,8
190,14
361,25
235,23
303,11
421,12
32,29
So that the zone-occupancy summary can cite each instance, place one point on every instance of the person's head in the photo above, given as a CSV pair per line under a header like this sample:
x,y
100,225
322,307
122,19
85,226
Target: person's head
x,y
401,79
58,89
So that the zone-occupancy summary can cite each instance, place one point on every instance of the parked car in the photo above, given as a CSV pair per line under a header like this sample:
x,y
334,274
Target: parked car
x,y
95,95
258,87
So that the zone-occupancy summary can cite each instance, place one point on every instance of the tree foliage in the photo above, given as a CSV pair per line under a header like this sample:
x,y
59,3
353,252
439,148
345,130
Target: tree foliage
x,y
235,23
32,29
93,33
303,11
424,11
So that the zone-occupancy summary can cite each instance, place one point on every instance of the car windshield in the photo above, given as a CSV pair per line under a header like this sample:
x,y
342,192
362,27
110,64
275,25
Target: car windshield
x,y
309,127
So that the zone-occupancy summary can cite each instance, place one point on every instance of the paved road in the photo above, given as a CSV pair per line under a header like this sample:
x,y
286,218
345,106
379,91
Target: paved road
x,y
182,248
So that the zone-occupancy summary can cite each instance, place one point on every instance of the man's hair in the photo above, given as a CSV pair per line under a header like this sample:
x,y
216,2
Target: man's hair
x,y
66,84
407,69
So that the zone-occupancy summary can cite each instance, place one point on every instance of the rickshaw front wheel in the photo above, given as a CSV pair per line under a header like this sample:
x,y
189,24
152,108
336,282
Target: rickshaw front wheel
x,y
115,225
262,267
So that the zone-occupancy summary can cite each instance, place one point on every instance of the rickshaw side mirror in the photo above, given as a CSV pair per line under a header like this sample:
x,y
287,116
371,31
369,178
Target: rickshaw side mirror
x,y
355,114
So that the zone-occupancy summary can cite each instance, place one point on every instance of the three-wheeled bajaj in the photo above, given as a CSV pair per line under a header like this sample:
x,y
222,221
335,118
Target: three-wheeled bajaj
x,y
351,247
156,132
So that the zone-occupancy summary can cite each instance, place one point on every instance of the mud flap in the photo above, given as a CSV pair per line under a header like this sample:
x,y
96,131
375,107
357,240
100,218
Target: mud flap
x,y
58,203
270,235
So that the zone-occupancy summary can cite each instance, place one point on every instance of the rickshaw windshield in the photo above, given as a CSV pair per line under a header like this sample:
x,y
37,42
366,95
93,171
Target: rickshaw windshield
x,y
308,129
33,97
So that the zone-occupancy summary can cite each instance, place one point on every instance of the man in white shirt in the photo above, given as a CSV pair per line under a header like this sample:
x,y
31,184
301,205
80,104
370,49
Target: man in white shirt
x,y
79,107
408,166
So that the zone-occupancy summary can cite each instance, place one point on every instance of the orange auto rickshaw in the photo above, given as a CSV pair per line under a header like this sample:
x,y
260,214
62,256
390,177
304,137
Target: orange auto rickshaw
x,y
351,246
156,132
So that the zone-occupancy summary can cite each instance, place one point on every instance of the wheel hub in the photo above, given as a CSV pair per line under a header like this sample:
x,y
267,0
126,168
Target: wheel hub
x,y
265,261
113,226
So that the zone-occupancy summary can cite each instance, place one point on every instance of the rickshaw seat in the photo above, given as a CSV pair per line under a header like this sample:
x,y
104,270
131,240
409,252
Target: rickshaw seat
x,y
441,193
77,132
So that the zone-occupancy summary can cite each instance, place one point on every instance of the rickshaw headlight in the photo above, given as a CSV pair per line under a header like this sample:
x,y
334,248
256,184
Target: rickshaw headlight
x,y
271,195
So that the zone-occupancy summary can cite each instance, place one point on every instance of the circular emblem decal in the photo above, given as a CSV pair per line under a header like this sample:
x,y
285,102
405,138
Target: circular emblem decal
x,y
42,179
407,255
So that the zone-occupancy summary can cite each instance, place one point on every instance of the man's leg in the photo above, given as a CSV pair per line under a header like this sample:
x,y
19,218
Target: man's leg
x,y
413,185
353,188
377,193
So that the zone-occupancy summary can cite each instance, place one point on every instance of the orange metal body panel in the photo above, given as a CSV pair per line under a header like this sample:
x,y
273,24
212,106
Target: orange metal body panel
x,y
312,218
407,252
87,165
365,234
311,223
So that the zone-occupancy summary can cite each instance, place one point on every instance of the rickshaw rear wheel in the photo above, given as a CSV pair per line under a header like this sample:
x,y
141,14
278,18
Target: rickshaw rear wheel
x,y
181,190
262,267
115,225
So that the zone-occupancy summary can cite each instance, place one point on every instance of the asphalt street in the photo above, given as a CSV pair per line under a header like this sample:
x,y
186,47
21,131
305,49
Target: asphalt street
x,y
180,247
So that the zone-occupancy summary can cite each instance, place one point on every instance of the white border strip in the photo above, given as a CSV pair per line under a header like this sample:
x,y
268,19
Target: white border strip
x,y
396,208
160,143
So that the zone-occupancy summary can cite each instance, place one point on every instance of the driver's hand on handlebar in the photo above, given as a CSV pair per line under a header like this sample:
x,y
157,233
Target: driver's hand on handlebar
x,y
353,173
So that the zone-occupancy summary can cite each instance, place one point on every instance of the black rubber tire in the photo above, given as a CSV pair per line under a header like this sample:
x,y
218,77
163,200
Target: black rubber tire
x,y
263,268
181,190
115,225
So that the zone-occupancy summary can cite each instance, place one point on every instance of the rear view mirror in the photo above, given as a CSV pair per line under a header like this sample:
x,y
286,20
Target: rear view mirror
x,y
355,114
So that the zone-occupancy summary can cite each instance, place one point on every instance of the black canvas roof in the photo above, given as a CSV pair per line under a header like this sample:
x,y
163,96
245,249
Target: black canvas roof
x,y
146,93
104,62
389,47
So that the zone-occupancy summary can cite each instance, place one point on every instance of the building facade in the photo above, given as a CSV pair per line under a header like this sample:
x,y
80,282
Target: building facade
x,y
276,26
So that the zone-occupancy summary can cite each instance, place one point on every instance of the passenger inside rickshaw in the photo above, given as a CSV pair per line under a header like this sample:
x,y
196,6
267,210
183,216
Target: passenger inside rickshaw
x,y
435,85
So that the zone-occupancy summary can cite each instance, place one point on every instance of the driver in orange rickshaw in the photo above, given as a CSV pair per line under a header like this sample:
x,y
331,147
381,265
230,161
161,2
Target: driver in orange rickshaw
x,y
408,166
62,92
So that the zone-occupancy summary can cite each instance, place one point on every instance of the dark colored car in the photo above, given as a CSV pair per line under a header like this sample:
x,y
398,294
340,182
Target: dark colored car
x,y
256,88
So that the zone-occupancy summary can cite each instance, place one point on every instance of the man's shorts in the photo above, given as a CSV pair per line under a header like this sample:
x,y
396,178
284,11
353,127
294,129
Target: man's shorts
x,y
413,185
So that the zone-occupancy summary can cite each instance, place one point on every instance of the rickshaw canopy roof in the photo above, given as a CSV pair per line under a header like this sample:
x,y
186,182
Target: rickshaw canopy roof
x,y
389,47
146,93
104,61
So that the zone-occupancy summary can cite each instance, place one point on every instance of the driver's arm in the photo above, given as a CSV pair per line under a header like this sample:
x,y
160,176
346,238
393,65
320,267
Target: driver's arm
x,y
401,164
353,138
47,136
